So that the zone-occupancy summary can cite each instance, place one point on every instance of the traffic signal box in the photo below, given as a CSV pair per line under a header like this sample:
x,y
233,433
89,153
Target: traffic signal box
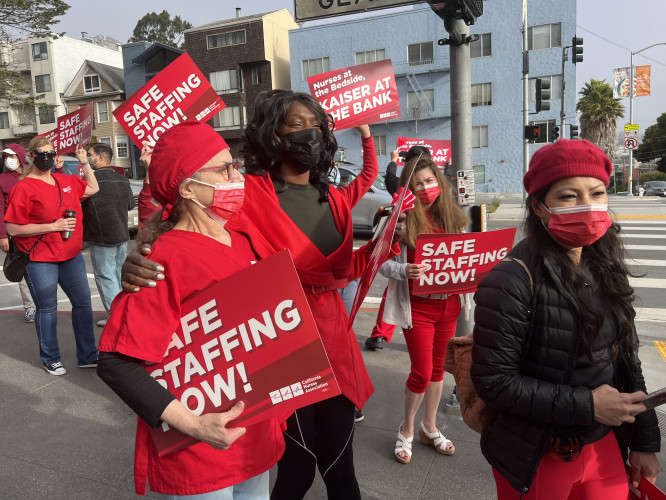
x,y
576,49
573,131
542,94
554,134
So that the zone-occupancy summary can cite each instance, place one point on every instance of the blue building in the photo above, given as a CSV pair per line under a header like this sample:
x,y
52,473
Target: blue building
x,y
422,71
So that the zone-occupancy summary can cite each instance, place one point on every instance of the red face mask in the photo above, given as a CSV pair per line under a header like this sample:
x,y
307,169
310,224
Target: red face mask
x,y
428,193
579,225
227,200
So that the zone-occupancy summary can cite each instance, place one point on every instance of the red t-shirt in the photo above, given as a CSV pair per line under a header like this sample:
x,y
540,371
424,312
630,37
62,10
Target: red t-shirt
x,y
141,325
34,201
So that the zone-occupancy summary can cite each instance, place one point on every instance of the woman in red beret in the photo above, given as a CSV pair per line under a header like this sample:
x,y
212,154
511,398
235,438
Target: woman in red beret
x,y
555,346
199,189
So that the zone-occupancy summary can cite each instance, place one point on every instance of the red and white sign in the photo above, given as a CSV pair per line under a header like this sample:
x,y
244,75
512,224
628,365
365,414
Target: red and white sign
x,y
177,93
265,351
440,150
73,129
362,94
631,143
457,262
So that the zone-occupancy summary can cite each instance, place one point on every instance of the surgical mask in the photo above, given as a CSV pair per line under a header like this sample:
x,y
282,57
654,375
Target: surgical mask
x,y
227,200
303,148
428,193
43,160
579,225
11,163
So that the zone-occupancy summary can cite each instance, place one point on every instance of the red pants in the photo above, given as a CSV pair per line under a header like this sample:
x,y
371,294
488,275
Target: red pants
x,y
433,324
597,474
382,329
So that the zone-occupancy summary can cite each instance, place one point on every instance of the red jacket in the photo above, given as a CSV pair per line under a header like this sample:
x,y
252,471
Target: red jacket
x,y
7,182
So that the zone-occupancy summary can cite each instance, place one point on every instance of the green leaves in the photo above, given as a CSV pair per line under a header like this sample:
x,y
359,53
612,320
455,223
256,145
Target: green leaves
x,y
653,146
29,17
599,114
160,28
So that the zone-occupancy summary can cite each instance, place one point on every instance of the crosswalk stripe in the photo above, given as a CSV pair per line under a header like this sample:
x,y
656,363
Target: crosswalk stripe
x,y
645,236
647,282
660,248
645,262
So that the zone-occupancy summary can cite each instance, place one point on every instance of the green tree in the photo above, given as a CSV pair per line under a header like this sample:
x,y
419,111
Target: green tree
x,y
160,28
653,146
599,114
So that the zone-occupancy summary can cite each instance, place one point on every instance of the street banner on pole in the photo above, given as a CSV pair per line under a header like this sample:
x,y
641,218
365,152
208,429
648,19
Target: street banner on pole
x,y
177,93
266,351
440,150
457,262
361,94
622,85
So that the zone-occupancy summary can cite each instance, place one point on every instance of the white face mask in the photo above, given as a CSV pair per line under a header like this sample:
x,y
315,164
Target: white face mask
x,y
11,163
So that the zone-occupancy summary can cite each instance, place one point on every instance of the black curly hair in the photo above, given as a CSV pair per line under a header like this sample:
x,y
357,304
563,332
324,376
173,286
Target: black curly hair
x,y
262,149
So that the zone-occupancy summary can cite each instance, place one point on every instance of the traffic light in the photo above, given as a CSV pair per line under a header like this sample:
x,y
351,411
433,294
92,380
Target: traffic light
x,y
542,94
554,134
467,10
573,131
576,49
532,132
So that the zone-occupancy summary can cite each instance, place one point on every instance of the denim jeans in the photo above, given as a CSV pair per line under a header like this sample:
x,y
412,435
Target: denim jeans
x,y
255,488
43,279
106,264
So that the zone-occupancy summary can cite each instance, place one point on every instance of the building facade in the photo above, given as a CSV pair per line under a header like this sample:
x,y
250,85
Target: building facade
x,y
242,57
48,65
422,70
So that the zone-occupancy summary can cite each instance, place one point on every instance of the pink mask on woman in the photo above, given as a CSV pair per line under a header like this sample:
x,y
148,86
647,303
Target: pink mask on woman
x,y
227,200
579,225
428,193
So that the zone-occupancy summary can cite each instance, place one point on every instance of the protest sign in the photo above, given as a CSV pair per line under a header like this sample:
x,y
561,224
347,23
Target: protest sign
x,y
239,340
73,129
440,150
177,93
362,94
457,262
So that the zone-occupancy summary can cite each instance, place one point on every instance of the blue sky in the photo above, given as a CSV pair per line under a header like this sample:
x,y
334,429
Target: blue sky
x,y
611,30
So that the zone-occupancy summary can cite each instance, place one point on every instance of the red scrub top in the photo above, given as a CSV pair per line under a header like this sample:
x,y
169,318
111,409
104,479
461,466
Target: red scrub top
x,y
34,201
141,326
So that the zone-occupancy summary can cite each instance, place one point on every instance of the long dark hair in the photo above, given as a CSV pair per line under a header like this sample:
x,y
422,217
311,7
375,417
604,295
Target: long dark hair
x,y
444,213
604,260
262,149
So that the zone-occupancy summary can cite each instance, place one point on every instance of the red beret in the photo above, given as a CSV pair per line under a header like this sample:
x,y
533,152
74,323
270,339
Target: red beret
x,y
179,153
563,159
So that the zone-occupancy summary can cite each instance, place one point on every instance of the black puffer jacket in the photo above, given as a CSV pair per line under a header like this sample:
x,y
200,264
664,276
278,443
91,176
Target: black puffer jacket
x,y
524,377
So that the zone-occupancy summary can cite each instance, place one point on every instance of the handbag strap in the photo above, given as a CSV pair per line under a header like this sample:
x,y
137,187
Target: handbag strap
x,y
59,205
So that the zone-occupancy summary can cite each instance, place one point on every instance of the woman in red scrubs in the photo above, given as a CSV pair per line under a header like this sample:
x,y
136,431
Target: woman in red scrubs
x,y
194,179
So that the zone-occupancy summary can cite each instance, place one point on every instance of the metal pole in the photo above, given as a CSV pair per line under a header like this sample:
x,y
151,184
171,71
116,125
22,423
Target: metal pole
x,y
526,104
564,86
461,102
631,120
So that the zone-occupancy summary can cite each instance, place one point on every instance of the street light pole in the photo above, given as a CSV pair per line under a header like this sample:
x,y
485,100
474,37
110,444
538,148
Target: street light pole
x,y
631,112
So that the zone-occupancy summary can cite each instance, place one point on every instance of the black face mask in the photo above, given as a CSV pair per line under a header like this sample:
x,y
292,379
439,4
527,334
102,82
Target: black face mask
x,y
303,148
43,160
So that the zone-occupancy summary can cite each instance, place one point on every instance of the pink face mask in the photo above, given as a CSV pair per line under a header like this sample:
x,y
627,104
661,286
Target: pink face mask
x,y
579,225
227,200
428,193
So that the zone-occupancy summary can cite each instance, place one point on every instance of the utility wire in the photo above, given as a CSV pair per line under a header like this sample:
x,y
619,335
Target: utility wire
x,y
618,45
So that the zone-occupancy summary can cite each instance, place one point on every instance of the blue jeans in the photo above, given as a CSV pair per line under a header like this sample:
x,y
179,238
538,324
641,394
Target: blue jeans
x,y
106,264
255,488
43,279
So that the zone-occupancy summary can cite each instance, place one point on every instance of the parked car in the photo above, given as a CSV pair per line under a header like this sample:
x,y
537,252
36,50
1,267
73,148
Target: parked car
x,y
655,188
363,214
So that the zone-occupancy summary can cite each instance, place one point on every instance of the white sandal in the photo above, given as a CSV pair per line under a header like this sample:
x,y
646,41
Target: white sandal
x,y
436,440
403,444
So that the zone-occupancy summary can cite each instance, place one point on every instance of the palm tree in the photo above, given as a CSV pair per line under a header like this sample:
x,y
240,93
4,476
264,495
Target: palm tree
x,y
599,112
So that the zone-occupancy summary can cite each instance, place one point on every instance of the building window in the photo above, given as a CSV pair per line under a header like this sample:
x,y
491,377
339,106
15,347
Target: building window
x,y
91,84
256,75
479,174
4,119
545,129
105,140
39,51
555,87
482,94
480,136
482,47
122,147
102,112
420,104
42,83
370,56
47,115
312,67
225,39
229,118
380,144
545,36
224,82
115,105
420,53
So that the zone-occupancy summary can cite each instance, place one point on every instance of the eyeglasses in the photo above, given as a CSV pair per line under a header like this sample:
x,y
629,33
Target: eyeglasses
x,y
228,167
45,154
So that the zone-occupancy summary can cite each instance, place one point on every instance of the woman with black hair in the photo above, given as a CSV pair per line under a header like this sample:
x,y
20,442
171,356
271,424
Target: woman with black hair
x,y
555,346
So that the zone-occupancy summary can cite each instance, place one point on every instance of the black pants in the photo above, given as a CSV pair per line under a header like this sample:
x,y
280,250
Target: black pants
x,y
319,435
